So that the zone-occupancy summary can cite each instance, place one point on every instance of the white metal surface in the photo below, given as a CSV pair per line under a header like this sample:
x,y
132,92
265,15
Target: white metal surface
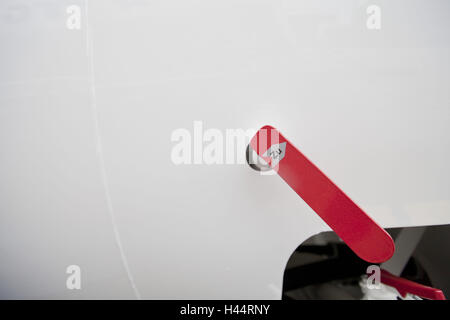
x,y
87,116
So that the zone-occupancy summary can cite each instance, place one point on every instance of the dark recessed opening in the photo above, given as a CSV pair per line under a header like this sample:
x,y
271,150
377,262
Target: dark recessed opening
x,y
323,267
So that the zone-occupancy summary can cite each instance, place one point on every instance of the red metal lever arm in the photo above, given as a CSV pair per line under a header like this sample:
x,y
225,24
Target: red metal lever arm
x,y
405,286
366,238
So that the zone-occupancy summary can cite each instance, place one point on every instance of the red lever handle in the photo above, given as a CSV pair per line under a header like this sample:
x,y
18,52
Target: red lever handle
x,y
366,238
405,286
